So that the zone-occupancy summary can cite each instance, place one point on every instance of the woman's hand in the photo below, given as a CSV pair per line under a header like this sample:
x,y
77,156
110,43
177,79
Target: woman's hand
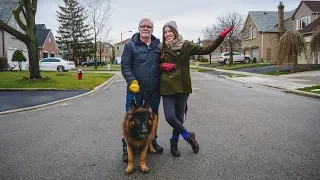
x,y
226,31
168,66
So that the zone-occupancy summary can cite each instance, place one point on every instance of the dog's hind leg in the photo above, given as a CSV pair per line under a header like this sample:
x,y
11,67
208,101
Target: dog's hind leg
x,y
143,157
129,169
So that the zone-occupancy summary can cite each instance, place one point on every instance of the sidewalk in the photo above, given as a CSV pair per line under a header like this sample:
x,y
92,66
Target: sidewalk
x,y
288,83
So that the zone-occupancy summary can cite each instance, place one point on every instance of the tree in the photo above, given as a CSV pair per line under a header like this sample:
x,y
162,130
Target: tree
x,y
315,47
99,15
291,45
18,57
234,38
73,34
29,9
3,63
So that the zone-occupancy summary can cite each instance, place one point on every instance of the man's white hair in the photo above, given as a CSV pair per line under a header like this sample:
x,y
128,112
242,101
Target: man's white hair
x,y
146,19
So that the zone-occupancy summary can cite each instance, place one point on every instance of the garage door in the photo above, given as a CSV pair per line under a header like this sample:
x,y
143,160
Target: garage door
x,y
255,53
24,65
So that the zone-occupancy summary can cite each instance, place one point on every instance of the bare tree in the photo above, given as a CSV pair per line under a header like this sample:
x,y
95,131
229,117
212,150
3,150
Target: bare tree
x,y
102,40
234,38
99,12
29,9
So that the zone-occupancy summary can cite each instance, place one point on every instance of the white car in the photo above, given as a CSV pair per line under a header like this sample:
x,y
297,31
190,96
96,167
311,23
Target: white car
x,y
237,57
55,64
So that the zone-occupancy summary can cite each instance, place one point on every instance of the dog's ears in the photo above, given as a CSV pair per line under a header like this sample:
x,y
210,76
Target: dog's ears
x,y
133,106
146,104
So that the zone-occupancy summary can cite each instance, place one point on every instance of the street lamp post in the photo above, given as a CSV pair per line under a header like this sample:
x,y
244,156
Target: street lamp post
x,y
121,41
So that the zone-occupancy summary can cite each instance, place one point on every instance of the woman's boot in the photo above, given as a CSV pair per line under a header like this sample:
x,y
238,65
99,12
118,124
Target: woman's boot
x,y
174,147
192,141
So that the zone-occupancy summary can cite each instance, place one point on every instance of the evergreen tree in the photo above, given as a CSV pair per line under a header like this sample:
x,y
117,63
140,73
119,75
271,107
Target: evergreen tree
x,y
18,57
74,34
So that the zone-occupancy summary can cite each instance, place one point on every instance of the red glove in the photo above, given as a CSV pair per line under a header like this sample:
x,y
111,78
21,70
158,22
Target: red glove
x,y
226,31
168,67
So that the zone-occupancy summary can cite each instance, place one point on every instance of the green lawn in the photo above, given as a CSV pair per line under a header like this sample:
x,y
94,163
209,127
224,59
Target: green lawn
x,y
65,80
239,66
312,89
277,73
200,69
113,67
236,75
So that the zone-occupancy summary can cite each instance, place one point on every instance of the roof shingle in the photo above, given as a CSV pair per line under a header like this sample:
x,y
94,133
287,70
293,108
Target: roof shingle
x,y
313,5
266,20
6,9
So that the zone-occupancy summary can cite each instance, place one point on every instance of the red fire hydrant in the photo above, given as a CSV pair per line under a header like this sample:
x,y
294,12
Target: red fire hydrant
x,y
80,72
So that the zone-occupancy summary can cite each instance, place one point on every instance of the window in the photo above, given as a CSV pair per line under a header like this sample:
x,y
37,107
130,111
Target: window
x,y
254,32
118,48
54,60
250,32
302,22
45,60
49,39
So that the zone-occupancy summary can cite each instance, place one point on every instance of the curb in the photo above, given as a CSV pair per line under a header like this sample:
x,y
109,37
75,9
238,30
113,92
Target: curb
x,y
95,90
302,93
39,89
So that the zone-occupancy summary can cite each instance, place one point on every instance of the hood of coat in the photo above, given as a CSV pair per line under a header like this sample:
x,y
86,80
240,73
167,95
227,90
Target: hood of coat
x,y
136,39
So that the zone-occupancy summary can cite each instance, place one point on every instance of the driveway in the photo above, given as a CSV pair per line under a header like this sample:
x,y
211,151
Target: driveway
x,y
10,100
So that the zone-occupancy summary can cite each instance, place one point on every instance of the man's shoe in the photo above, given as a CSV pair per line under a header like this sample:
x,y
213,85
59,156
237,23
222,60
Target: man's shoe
x,y
156,146
192,141
125,155
174,147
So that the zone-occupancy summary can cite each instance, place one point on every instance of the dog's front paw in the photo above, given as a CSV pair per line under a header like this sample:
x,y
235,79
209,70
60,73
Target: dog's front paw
x,y
129,170
145,169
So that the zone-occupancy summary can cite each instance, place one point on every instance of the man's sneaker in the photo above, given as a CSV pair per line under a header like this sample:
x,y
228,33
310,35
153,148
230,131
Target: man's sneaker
x,y
125,155
156,146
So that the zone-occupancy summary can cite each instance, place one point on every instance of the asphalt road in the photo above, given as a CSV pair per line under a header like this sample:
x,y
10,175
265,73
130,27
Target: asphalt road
x,y
244,132
10,100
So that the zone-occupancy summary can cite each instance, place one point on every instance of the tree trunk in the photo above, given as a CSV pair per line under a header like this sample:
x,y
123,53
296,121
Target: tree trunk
x,y
95,52
210,57
32,44
33,58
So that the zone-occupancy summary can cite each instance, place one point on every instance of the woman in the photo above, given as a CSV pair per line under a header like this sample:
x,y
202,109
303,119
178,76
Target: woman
x,y
175,81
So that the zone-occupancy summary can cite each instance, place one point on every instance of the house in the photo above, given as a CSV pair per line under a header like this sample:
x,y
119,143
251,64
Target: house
x,y
307,21
263,30
8,43
119,48
47,46
106,50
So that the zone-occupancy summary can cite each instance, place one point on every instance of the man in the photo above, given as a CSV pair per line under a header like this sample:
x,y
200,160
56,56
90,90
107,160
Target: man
x,y
140,67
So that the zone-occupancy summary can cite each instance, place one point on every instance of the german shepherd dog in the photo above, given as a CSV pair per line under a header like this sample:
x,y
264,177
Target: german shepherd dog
x,y
139,129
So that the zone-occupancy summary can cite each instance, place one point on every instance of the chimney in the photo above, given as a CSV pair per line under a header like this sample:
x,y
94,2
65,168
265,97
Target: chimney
x,y
281,17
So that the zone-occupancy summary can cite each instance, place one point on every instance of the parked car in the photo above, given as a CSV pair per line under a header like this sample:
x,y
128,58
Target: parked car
x,y
91,63
55,64
237,57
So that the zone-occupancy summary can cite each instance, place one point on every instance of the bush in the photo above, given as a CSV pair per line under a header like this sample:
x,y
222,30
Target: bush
x,y
254,60
3,63
203,59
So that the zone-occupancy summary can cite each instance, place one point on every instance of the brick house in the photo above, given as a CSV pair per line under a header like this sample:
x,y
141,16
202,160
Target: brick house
x,y
47,46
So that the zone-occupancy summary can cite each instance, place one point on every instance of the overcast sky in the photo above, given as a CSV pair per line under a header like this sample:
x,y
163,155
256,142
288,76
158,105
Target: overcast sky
x,y
191,15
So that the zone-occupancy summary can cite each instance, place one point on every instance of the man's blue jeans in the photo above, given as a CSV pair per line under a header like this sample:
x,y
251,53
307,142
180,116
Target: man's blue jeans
x,y
154,100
